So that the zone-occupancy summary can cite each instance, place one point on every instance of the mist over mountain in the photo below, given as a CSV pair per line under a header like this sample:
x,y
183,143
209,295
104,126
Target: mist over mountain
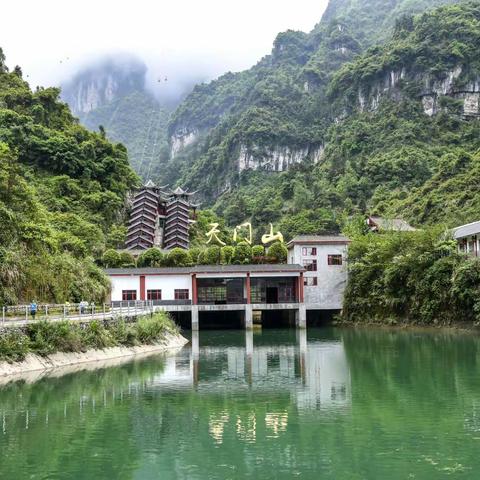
x,y
131,101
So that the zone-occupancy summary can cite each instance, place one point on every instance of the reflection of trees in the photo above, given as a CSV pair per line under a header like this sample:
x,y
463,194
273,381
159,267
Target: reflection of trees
x,y
412,408
412,396
69,426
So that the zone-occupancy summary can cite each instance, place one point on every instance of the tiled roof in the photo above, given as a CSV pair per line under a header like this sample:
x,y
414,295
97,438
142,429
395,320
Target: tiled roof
x,y
395,224
267,268
317,239
467,230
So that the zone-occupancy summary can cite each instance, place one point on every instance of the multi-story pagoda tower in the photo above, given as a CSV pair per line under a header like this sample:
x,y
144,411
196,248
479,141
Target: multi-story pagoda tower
x,y
177,219
159,218
143,223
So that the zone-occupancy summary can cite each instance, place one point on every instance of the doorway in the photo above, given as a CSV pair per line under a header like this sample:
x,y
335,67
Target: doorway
x,y
272,295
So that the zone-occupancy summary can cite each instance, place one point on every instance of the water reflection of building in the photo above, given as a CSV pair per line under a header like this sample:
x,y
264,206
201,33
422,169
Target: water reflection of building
x,y
314,375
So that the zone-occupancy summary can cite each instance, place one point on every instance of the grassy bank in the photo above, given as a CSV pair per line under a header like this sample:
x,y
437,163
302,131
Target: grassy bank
x,y
44,338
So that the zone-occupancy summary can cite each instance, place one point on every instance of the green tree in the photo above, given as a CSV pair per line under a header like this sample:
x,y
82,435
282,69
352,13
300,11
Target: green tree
x,y
152,257
127,259
227,254
212,255
178,257
243,253
278,252
111,258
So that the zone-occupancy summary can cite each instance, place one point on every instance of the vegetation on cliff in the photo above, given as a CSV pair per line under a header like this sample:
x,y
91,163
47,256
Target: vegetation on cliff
x,y
62,192
394,160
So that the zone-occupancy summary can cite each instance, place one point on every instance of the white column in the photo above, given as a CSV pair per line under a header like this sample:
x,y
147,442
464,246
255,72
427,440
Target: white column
x,y
248,317
249,343
301,316
194,317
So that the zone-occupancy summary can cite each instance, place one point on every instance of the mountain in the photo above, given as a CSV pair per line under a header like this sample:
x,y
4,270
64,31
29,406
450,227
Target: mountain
x,y
360,115
112,94
62,197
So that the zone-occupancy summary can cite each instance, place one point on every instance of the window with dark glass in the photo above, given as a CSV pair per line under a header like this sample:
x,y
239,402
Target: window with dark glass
x,y
129,295
154,294
306,251
335,260
181,294
310,265
310,281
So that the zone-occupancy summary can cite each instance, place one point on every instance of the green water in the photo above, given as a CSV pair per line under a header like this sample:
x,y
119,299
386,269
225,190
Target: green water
x,y
328,404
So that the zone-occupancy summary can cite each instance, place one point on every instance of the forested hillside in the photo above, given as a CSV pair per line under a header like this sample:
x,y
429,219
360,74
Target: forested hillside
x,y
394,130
62,194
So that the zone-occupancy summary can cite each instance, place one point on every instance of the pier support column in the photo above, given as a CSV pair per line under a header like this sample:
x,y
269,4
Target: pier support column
x,y
194,317
248,317
301,316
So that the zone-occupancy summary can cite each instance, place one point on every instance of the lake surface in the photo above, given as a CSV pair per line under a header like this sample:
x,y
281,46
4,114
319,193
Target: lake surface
x,y
278,404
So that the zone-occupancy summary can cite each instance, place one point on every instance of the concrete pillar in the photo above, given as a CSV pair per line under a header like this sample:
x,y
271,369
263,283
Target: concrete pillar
x,y
302,340
195,356
194,317
301,316
248,317
249,355
195,344
249,343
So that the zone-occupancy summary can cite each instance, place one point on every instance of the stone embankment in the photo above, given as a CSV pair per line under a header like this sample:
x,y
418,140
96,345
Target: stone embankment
x,y
37,363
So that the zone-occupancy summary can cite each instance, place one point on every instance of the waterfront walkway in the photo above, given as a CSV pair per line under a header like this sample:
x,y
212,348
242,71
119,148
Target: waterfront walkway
x,y
19,315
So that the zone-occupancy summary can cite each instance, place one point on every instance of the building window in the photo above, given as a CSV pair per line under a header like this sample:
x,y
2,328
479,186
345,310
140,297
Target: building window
x,y
154,294
335,260
310,281
181,294
129,295
310,265
308,251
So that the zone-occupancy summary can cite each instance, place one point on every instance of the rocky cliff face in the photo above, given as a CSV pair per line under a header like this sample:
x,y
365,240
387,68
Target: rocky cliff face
x,y
104,82
275,159
431,89
277,114
181,139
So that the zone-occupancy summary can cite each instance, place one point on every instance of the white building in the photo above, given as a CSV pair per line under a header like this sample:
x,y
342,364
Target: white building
x,y
468,238
324,260
314,278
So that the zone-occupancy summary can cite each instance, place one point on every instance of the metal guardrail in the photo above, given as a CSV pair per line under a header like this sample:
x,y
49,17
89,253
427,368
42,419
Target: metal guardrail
x,y
23,314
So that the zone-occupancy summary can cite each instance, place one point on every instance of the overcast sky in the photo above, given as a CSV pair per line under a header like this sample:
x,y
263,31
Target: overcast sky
x,y
50,39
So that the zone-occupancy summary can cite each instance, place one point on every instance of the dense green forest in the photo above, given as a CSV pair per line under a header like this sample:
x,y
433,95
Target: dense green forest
x,y
62,193
414,277
391,159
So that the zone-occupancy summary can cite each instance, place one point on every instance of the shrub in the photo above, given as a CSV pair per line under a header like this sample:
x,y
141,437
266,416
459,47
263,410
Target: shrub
x,y
124,333
152,329
212,255
227,254
243,253
194,254
178,257
258,253
111,258
278,252
150,258
127,260
14,345
97,336
50,337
